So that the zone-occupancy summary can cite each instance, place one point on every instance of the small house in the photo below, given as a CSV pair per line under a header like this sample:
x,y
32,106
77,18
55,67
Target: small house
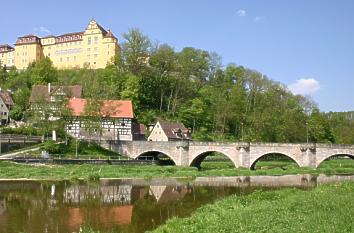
x,y
6,104
169,131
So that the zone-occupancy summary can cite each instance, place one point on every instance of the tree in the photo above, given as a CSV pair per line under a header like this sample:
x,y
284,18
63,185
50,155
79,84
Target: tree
x,y
319,128
3,74
136,51
43,71
131,91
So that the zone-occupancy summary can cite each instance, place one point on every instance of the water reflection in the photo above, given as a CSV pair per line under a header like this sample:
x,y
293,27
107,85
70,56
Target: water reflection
x,y
127,205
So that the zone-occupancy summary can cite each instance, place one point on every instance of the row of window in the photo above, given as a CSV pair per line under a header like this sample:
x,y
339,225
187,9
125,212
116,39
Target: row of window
x,y
9,55
10,61
89,40
89,49
68,59
89,56
68,38
68,44
27,40
68,51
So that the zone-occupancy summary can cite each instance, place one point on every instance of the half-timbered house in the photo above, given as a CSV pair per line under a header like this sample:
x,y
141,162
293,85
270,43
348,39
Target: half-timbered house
x,y
111,120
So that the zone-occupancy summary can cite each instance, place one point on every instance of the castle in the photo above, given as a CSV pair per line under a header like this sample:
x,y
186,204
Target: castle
x,y
92,48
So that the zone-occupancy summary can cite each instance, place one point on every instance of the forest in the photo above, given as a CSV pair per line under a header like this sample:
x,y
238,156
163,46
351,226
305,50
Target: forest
x,y
217,102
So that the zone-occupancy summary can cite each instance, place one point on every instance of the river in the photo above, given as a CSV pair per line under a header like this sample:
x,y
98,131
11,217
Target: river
x,y
125,205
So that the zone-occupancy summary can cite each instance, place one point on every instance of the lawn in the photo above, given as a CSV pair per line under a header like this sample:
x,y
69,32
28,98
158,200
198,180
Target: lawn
x,y
327,208
11,170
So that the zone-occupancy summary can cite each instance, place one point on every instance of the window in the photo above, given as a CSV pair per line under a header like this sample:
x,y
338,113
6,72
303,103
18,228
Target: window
x,y
88,50
74,58
89,40
67,59
95,55
61,59
96,39
95,49
88,56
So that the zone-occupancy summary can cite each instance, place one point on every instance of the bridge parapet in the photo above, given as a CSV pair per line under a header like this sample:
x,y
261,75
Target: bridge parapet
x,y
196,143
266,144
335,146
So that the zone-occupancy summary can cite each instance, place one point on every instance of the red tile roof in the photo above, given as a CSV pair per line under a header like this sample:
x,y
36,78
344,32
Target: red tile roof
x,y
109,108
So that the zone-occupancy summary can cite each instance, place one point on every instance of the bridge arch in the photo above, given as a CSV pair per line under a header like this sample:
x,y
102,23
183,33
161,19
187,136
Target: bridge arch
x,y
258,157
197,159
350,155
149,154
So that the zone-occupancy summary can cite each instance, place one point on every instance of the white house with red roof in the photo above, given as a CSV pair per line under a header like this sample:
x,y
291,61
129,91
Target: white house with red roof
x,y
114,119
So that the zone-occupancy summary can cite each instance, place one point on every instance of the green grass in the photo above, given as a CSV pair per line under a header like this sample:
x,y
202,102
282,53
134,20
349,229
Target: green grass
x,y
9,170
327,208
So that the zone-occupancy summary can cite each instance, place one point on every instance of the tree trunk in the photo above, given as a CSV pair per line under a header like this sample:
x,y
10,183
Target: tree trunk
x,y
161,100
169,100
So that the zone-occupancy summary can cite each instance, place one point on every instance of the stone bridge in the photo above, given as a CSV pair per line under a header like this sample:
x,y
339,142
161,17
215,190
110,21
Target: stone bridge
x,y
191,153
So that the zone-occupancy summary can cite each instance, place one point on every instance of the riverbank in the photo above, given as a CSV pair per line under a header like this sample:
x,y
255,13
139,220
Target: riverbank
x,y
11,170
328,208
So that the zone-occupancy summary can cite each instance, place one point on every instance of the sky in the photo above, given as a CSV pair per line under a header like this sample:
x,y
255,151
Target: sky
x,y
307,45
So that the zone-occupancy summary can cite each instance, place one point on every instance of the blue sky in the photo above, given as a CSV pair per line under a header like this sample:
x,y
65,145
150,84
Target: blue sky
x,y
305,44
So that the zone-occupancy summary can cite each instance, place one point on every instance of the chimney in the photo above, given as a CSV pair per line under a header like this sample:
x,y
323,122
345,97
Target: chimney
x,y
48,88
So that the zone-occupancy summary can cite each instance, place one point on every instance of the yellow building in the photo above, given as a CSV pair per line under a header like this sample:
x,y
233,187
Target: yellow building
x,y
92,48
7,56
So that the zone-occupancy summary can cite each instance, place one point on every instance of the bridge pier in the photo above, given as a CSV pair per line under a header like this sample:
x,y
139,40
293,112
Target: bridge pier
x,y
244,156
308,154
183,152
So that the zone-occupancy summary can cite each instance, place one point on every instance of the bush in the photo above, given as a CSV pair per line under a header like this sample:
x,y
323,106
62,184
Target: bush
x,y
52,147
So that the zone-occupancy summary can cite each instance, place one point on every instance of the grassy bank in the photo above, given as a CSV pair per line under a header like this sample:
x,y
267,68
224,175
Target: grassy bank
x,y
11,170
325,209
